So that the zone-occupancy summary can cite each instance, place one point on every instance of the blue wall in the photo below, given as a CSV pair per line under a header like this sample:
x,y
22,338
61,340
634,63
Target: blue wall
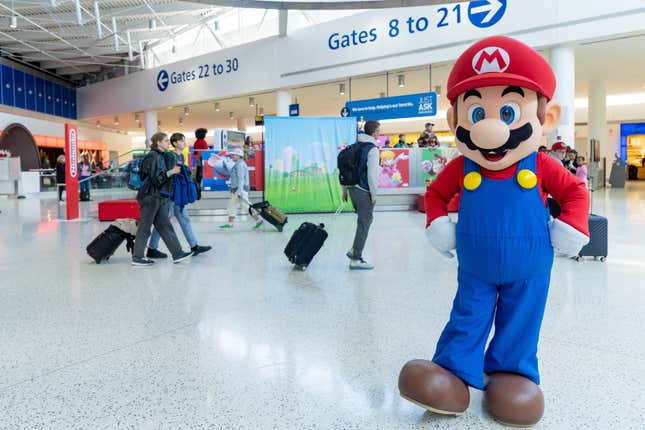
x,y
22,90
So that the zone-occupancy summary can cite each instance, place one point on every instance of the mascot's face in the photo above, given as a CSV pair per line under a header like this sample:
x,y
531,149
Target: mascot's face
x,y
498,126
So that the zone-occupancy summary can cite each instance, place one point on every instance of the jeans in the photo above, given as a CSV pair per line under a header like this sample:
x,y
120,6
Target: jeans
x,y
362,201
154,210
84,184
184,221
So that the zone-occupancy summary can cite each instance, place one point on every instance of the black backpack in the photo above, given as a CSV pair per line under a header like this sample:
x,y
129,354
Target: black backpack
x,y
349,164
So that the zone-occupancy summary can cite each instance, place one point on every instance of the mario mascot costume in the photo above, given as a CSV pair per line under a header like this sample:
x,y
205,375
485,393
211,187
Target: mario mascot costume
x,y
500,91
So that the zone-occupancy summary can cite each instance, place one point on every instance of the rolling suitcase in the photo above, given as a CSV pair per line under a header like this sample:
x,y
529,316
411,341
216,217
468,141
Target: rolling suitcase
x,y
305,244
598,245
106,243
270,213
598,240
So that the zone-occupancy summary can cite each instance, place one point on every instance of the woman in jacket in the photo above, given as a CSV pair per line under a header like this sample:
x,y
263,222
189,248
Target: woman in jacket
x,y
60,176
157,169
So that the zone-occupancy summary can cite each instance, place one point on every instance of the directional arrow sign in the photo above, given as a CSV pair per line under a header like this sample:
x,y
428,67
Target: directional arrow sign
x,y
162,80
486,13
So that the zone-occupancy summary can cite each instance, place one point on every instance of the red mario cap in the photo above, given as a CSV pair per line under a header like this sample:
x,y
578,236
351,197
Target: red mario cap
x,y
559,146
501,60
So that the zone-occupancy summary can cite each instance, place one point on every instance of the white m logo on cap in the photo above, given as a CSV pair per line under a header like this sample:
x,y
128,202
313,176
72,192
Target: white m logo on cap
x,y
491,60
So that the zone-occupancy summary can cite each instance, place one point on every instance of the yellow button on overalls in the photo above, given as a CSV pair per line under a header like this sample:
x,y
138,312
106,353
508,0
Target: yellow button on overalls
x,y
527,179
472,181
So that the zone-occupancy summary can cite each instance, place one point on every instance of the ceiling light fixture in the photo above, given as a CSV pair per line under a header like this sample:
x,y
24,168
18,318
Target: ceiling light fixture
x,y
116,120
251,102
13,22
381,95
116,36
152,24
174,47
136,117
181,120
159,123
261,111
437,89
187,110
401,81
231,115
341,89
98,124
216,106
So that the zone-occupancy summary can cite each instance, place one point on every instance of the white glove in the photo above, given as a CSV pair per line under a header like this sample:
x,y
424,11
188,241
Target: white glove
x,y
566,239
443,236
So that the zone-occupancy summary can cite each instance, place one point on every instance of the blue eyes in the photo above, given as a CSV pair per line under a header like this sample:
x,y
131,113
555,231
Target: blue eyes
x,y
476,113
509,113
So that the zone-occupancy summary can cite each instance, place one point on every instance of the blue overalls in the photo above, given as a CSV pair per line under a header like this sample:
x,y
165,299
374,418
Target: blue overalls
x,y
505,258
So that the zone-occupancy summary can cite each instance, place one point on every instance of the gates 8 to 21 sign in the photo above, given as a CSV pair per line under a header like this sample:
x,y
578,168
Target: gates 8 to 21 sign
x,y
479,13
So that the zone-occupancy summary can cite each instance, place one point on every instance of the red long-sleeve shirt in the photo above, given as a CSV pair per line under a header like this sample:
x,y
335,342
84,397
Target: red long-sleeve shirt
x,y
567,190
200,144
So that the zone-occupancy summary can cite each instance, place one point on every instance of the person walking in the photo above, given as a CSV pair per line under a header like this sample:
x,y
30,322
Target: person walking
x,y
85,172
199,147
363,194
156,173
178,142
239,190
60,176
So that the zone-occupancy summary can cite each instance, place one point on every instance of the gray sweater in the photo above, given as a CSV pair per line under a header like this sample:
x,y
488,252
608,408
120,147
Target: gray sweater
x,y
373,168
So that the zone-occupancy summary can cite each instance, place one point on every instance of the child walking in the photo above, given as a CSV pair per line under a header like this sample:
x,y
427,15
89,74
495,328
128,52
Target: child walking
x,y
581,169
239,190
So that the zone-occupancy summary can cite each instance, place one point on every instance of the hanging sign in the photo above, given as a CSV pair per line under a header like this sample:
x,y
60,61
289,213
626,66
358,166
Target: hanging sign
x,y
408,106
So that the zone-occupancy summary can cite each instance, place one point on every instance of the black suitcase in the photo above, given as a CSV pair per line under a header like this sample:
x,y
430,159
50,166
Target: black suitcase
x,y
106,243
270,213
305,244
598,241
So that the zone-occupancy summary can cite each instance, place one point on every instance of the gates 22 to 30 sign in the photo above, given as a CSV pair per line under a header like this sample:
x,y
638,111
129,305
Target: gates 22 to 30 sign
x,y
204,71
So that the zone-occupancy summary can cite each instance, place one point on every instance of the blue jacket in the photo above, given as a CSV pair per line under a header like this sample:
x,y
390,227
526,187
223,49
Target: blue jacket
x,y
240,176
184,189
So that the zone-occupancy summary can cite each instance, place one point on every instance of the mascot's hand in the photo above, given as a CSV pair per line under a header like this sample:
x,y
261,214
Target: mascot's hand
x,y
443,236
566,239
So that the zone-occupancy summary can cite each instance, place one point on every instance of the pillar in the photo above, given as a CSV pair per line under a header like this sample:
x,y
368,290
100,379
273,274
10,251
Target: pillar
x,y
563,61
283,100
241,124
598,116
151,126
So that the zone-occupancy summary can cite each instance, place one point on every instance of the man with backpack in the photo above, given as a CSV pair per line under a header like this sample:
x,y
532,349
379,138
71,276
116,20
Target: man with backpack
x,y
359,169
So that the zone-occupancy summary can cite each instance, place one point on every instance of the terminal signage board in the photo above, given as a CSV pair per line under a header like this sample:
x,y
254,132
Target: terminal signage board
x,y
408,106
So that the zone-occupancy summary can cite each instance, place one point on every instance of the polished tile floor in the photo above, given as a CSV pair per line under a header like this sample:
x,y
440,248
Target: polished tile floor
x,y
237,340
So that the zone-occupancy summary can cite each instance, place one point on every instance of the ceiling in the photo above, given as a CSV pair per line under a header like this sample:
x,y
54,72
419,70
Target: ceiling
x,y
48,36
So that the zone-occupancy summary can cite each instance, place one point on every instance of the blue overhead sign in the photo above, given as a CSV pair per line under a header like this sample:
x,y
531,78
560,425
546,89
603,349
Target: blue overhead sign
x,y
294,110
486,13
408,106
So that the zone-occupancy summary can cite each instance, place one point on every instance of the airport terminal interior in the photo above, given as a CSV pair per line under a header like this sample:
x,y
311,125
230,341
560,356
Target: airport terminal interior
x,y
221,214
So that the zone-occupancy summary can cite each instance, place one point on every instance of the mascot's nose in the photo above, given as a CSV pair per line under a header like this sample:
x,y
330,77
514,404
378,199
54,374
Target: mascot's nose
x,y
490,133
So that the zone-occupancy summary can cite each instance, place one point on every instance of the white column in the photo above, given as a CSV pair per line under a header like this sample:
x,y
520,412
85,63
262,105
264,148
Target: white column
x,y
598,114
283,100
563,61
151,126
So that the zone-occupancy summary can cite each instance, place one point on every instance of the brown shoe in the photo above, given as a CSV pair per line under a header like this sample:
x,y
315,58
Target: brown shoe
x,y
514,400
434,388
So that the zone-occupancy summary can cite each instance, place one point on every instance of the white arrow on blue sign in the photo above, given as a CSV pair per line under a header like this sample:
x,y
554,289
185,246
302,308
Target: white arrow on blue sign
x,y
486,13
162,80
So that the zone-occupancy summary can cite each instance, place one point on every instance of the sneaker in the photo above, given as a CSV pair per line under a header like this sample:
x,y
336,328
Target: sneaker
x,y
258,224
360,265
200,249
139,261
226,227
350,254
155,253
183,256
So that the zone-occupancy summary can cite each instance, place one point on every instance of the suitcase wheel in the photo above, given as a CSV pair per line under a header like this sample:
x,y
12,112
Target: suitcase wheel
x,y
602,259
579,258
280,228
300,267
